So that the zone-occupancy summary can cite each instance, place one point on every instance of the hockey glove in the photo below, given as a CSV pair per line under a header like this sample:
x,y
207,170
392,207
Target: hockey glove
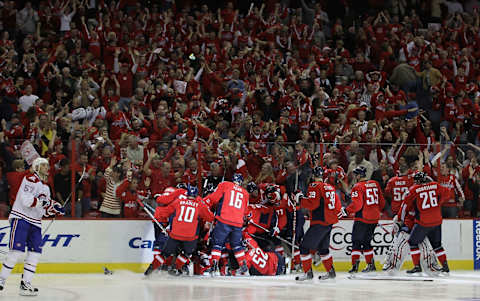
x,y
296,197
274,231
55,209
342,213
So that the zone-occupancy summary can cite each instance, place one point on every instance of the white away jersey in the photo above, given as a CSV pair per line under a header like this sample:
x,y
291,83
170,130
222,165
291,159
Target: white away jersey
x,y
28,202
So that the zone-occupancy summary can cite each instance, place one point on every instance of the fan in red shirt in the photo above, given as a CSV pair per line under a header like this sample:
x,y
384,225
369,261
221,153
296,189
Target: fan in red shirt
x,y
324,206
231,201
453,188
127,193
260,262
397,188
184,228
367,204
14,179
425,198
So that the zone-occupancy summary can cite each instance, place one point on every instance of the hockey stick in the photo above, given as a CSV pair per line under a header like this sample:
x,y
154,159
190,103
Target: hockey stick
x,y
268,231
294,217
151,216
67,200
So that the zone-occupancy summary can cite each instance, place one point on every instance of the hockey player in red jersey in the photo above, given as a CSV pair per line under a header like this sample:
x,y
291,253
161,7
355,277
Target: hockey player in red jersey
x,y
169,195
184,228
425,199
231,201
324,206
260,262
367,203
397,188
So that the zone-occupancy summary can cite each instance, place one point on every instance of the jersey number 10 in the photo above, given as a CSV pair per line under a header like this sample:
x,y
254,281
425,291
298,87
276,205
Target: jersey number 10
x,y
186,215
236,199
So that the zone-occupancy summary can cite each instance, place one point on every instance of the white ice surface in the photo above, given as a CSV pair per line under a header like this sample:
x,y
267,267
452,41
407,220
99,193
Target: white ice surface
x,y
123,286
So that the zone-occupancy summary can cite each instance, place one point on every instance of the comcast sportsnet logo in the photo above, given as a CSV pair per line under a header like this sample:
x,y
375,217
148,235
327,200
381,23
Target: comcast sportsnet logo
x,y
341,240
476,244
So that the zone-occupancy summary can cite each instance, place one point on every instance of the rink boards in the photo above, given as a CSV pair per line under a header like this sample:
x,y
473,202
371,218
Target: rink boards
x,y
86,246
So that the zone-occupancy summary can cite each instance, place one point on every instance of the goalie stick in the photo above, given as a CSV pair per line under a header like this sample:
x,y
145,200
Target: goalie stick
x,y
66,201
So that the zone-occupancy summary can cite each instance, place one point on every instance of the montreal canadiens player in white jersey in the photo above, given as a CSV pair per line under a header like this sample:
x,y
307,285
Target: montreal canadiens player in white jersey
x,y
31,203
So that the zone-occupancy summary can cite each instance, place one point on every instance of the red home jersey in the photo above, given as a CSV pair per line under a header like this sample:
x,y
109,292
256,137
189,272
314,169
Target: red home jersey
x,y
452,186
323,203
231,201
186,213
426,200
367,202
266,263
170,194
397,189
167,197
264,216
282,209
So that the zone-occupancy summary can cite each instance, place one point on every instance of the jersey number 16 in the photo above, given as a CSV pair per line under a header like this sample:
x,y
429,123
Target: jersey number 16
x,y
236,199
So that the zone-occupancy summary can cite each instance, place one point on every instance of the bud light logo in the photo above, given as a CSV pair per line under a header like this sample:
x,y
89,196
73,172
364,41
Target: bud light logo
x,y
48,240
476,244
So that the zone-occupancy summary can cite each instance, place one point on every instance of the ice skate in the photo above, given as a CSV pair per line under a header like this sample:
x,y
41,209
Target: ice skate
x,y
306,276
214,270
370,267
416,270
244,269
2,284
26,289
445,269
354,268
329,275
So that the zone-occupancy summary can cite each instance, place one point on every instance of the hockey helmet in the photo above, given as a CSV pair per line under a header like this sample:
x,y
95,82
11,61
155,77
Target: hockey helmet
x,y
318,172
192,191
360,170
237,179
251,187
420,177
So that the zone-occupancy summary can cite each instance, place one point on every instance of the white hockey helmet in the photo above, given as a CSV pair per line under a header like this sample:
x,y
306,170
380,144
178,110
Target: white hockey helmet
x,y
37,162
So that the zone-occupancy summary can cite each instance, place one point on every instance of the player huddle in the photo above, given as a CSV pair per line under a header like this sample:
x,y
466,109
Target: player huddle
x,y
242,231
238,231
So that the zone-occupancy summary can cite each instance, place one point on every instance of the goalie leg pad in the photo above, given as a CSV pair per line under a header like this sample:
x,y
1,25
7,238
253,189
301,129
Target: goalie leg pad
x,y
397,252
30,266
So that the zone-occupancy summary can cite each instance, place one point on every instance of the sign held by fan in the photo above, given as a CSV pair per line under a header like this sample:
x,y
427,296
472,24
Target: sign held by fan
x,y
29,153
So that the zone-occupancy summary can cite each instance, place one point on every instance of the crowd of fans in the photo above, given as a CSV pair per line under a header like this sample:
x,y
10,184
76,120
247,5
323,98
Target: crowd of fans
x,y
135,97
